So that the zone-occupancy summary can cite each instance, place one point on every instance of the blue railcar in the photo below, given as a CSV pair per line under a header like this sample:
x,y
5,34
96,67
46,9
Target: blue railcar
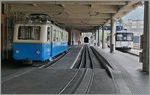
x,y
38,41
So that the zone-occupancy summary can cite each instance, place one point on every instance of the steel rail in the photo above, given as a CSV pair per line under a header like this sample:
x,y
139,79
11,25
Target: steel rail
x,y
78,66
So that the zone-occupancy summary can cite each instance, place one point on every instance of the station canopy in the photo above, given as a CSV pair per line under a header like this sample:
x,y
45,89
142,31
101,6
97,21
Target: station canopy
x,y
81,15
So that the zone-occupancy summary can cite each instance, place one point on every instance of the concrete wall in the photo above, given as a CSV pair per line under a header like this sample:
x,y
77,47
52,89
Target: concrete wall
x,y
75,37
3,36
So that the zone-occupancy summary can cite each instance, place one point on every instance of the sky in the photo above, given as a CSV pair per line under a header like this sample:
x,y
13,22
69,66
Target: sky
x,y
137,14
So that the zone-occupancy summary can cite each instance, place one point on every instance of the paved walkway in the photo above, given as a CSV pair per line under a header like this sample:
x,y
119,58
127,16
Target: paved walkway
x,y
135,51
68,59
130,70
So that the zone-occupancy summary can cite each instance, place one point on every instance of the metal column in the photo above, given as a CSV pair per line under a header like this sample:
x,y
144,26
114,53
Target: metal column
x,y
95,38
112,36
7,30
98,44
69,36
146,39
103,41
72,38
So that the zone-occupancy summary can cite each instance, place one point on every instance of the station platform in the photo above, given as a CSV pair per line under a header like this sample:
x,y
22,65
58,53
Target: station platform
x,y
68,59
128,71
61,78
135,51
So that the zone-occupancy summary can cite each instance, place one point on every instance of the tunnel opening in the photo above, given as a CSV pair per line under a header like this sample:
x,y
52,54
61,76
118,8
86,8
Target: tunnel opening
x,y
86,40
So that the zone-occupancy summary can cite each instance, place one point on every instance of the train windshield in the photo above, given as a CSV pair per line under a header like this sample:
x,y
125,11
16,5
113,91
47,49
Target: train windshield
x,y
129,37
119,37
124,36
29,32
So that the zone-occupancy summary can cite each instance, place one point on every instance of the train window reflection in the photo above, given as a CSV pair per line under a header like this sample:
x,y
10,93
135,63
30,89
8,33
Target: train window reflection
x,y
124,36
119,37
29,33
129,37
48,34
54,35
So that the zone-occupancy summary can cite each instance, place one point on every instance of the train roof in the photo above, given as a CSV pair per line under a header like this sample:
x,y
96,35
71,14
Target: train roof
x,y
39,19
38,23
124,32
33,22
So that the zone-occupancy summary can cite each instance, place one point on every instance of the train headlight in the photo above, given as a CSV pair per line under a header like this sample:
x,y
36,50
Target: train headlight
x,y
38,52
17,51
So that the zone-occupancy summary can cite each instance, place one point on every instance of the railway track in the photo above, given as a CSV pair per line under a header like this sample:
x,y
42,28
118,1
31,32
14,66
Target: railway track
x,y
83,67
89,70
82,80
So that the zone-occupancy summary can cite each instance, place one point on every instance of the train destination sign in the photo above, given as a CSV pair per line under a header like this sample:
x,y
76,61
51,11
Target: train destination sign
x,y
118,28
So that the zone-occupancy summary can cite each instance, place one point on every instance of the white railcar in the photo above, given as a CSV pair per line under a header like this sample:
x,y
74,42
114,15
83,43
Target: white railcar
x,y
123,40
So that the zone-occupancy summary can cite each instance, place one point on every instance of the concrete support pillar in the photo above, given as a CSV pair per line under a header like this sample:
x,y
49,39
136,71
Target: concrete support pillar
x,y
3,36
103,40
144,56
72,37
95,38
69,36
98,43
112,36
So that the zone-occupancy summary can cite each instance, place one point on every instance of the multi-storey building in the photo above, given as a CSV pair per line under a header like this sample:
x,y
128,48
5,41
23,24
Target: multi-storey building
x,y
135,26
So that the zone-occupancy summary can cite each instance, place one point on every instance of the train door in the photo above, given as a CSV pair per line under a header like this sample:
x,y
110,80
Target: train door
x,y
49,34
53,49
49,39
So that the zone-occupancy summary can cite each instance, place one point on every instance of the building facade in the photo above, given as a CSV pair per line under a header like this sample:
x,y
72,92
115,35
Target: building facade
x,y
135,26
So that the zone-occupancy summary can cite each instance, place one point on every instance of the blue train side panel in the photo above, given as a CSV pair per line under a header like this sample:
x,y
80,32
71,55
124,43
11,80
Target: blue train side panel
x,y
39,52
58,48
31,51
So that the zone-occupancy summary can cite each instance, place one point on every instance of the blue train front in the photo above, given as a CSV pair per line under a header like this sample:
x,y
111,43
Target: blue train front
x,y
38,41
